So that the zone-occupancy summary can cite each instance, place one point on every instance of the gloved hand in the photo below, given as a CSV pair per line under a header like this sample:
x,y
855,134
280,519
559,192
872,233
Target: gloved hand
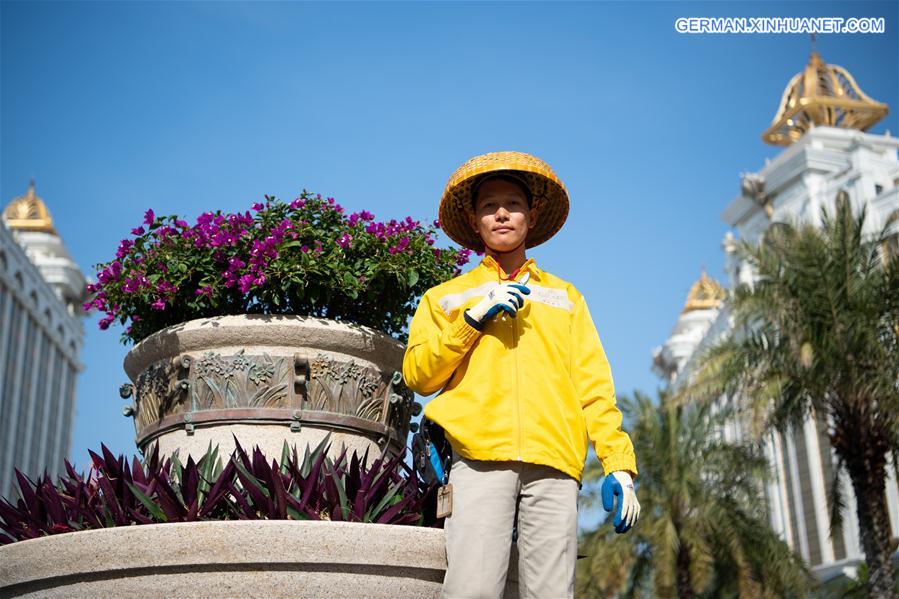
x,y
507,296
621,484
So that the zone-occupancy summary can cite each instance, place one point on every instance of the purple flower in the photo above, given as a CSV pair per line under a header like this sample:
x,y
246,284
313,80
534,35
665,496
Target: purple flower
x,y
204,290
158,304
106,321
366,215
436,223
297,203
462,257
110,273
131,284
164,286
436,252
124,246
304,249
257,206
404,242
164,232
245,283
137,231
181,223
149,217
345,241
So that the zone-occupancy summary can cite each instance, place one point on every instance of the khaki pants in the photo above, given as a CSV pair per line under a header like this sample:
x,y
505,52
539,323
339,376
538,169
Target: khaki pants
x,y
479,530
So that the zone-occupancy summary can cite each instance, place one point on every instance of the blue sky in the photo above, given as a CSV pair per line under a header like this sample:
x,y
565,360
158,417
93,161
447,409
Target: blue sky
x,y
186,107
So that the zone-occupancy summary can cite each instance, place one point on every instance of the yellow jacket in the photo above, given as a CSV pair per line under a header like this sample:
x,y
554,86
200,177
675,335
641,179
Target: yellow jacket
x,y
528,388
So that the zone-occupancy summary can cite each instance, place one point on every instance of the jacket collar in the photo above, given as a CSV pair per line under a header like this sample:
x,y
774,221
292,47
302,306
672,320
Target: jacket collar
x,y
491,265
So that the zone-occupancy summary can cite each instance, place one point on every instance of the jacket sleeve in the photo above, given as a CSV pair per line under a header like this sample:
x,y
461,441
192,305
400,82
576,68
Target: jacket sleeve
x,y
592,378
436,347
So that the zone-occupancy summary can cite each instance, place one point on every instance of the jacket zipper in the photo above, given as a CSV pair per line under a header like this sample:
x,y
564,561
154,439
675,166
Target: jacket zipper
x,y
517,386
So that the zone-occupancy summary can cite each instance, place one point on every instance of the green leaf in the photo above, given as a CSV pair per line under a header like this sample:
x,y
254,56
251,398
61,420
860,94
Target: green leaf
x,y
340,481
413,278
148,503
372,514
296,514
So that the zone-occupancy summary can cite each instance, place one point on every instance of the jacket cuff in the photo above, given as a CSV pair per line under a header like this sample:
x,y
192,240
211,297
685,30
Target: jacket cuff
x,y
464,331
619,461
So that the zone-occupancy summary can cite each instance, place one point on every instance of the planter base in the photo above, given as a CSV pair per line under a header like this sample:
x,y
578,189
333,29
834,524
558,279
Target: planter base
x,y
243,558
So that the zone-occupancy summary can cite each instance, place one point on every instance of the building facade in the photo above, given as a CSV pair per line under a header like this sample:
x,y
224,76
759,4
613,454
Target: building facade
x,y
821,122
41,337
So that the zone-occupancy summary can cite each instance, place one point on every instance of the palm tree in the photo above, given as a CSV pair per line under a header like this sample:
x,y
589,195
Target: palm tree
x,y
849,588
817,335
702,529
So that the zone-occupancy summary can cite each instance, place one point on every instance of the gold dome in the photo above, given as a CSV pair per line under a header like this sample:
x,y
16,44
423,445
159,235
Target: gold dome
x,y
705,294
28,213
822,94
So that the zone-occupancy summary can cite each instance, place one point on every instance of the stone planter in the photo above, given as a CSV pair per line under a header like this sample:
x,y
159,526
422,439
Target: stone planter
x,y
239,558
266,379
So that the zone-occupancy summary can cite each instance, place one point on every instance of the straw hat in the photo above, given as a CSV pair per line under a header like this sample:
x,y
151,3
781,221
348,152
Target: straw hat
x,y
549,196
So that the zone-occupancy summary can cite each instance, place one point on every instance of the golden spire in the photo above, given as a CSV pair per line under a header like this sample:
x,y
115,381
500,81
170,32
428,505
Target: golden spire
x,y
705,294
28,213
822,94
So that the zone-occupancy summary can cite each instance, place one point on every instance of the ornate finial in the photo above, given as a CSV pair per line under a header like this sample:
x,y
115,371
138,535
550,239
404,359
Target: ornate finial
x,y
28,213
705,294
822,94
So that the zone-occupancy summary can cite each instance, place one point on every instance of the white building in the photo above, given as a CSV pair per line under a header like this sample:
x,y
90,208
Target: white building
x,y
41,336
821,121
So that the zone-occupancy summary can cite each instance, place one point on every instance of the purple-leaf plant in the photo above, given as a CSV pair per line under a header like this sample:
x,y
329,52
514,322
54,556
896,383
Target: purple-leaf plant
x,y
307,257
247,487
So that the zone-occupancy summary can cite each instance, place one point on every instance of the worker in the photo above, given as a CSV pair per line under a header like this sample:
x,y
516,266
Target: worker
x,y
523,381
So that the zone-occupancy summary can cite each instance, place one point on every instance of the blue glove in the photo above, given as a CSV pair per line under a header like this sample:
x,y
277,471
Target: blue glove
x,y
620,484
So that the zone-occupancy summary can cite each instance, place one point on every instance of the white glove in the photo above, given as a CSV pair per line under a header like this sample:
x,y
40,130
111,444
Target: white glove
x,y
621,484
507,296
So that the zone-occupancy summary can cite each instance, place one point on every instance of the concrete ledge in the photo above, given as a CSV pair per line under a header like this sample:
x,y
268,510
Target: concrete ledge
x,y
246,558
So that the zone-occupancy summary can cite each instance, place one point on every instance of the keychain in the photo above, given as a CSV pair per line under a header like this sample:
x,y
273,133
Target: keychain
x,y
445,500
